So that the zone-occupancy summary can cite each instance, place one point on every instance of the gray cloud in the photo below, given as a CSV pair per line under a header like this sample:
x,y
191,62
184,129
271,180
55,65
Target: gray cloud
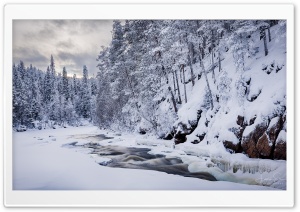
x,y
73,43
31,56
65,44
45,33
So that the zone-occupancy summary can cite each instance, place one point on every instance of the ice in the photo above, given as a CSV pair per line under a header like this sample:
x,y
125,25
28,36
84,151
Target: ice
x,y
55,167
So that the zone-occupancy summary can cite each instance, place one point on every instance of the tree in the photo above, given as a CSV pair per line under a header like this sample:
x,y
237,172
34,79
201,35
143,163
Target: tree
x,y
85,95
65,84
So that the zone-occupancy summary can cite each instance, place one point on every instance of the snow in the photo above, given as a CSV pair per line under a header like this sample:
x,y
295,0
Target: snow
x,y
267,86
41,163
281,137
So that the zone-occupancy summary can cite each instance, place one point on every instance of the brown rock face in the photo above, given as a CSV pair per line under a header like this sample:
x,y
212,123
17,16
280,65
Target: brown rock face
x,y
235,147
274,130
249,142
280,149
263,146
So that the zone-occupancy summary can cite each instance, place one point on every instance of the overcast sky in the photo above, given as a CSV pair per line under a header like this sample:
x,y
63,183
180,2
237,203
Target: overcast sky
x,y
73,43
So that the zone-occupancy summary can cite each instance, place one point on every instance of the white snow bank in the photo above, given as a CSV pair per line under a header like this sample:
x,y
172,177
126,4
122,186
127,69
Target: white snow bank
x,y
46,165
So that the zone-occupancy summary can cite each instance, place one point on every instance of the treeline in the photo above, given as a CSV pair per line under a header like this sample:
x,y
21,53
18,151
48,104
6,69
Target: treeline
x,y
49,98
145,71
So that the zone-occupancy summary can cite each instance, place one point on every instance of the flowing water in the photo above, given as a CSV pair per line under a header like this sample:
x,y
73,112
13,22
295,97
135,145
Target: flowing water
x,y
137,158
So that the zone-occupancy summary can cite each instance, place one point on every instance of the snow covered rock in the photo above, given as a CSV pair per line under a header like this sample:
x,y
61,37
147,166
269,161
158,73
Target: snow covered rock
x,y
264,145
250,138
240,120
236,147
280,146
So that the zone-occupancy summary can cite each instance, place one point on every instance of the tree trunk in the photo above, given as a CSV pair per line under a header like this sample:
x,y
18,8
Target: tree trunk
x,y
171,92
180,75
269,34
178,89
173,99
190,60
174,85
265,43
213,65
219,61
184,85
192,72
209,90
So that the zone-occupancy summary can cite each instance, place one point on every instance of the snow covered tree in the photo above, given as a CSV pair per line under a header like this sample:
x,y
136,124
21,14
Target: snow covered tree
x,y
65,84
85,95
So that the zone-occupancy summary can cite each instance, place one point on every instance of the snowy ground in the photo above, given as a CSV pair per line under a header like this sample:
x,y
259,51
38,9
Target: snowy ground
x,y
41,162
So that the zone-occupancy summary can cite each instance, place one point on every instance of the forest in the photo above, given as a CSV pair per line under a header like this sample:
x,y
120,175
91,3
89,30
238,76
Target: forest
x,y
196,81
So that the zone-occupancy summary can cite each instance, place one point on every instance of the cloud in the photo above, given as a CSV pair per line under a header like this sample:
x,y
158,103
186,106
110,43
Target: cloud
x,y
65,44
73,43
30,56
74,62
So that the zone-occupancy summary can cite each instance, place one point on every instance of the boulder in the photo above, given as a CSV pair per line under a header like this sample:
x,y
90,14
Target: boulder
x,y
240,120
280,146
179,138
264,146
250,139
274,129
183,130
236,147
168,136
280,151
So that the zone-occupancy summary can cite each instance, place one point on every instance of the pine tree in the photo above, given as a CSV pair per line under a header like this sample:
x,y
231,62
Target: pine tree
x,y
86,95
65,84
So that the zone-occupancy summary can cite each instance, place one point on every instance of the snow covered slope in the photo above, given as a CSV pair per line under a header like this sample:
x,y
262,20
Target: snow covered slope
x,y
250,105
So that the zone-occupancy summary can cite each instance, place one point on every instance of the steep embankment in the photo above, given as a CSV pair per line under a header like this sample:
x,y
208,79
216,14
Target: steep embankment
x,y
249,113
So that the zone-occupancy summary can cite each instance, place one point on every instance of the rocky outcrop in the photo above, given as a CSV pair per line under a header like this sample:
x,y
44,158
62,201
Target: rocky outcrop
x,y
280,147
233,146
180,137
259,141
182,130
238,132
249,140
264,146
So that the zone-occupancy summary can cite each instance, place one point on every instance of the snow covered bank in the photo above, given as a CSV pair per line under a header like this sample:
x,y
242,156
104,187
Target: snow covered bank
x,y
249,109
40,162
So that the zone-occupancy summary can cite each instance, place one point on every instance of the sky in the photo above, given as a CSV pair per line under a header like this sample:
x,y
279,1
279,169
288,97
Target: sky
x,y
73,43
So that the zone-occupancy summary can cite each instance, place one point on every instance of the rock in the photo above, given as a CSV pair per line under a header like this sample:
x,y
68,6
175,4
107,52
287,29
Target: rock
x,y
232,146
142,131
201,137
280,146
240,120
250,140
181,133
266,142
274,129
252,120
180,138
280,151
264,146
168,136
195,142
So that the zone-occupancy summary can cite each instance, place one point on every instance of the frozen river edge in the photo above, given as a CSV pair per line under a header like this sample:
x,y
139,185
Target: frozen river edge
x,y
41,163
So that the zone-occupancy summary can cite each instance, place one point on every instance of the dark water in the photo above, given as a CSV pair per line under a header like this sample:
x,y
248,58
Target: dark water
x,y
139,158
